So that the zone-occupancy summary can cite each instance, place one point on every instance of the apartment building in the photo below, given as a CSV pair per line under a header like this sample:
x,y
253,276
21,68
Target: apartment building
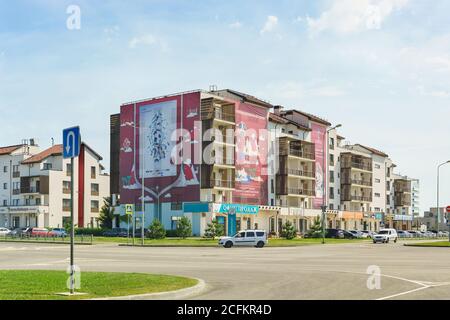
x,y
41,186
260,166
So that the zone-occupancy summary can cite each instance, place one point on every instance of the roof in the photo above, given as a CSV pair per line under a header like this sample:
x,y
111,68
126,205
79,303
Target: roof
x,y
310,117
276,118
374,151
340,137
245,97
53,151
9,149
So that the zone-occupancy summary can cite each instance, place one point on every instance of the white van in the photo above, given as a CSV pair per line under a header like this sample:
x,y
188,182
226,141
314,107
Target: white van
x,y
249,238
385,235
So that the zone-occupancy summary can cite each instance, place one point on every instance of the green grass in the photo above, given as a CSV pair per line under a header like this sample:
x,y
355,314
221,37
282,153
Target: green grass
x,y
43,285
200,242
430,244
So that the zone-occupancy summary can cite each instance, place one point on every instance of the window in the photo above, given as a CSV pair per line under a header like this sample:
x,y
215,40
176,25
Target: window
x,y
176,206
66,186
68,169
331,193
15,168
377,195
66,204
377,180
331,206
5,203
260,234
331,160
27,202
38,201
94,206
93,173
15,202
250,234
332,176
47,166
272,202
5,186
5,169
95,189
272,187
377,166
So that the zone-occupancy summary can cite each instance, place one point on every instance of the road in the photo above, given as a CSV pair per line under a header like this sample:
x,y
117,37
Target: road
x,y
335,271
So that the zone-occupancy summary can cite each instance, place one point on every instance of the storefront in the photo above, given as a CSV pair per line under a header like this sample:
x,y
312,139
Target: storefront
x,y
236,217
22,217
352,220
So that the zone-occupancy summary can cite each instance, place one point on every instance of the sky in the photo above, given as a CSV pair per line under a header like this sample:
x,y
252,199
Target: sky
x,y
381,68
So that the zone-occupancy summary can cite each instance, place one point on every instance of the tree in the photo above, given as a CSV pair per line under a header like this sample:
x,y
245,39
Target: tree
x,y
214,229
316,228
106,214
156,230
184,228
289,231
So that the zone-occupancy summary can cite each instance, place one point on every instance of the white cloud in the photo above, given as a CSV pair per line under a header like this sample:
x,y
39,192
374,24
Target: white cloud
x,y
270,25
142,40
346,16
235,25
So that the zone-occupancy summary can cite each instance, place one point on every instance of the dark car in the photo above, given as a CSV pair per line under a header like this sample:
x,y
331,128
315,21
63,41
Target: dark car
x,y
349,235
138,233
334,234
116,232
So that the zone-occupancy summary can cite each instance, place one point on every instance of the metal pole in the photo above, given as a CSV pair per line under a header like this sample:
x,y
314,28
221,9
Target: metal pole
x,y
72,228
143,198
437,203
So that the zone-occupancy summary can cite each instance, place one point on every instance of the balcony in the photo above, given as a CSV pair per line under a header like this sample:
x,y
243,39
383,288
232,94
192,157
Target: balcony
x,y
16,174
301,192
16,192
66,190
95,193
301,154
94,210
66,209
355,161
361,198
361,166
33,189
217,183
402,200
365,183
216,109
299,173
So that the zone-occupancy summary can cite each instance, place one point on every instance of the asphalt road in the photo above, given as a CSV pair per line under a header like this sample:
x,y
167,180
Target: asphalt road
x,y
309,272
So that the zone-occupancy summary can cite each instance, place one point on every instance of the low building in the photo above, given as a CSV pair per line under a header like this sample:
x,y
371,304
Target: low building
x,y
41,188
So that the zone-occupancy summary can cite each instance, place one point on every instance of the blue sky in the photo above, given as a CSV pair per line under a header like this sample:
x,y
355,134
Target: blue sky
x,y
379,67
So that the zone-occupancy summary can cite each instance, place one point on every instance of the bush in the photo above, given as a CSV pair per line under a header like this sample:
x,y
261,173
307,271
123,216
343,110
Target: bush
x,y
214,229
156,230
97,232
316,229
171,234
184,228
288,231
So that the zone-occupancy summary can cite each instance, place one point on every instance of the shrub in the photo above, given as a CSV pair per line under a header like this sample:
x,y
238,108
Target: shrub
x,y
214,229
97,232
316,229
289,231
156,230
184,228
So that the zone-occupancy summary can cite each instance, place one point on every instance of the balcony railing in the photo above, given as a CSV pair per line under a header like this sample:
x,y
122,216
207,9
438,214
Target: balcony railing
x,y
361,198
94,210
66,209
362,166
302,192
30,190
301,154
95,193
217,183
16,192
16,174
300,173
362,182
219,114
66,190
224,161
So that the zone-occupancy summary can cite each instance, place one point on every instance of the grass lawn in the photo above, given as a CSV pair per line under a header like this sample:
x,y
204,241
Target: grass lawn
x,y
200,242
42,285
430,244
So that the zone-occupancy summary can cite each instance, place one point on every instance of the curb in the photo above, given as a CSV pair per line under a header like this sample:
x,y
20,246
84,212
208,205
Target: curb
x,y
169,295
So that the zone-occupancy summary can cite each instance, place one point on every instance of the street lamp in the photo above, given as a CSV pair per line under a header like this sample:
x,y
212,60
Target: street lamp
x,y
437,203
325,179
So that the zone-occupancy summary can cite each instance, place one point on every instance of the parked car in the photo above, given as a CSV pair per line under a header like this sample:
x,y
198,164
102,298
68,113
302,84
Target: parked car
x,y
116,232
334,234
40,232
357,234
138,233
385,236
349,235
415,234
59,232
253,238
403,234
4,232
367,233
17,232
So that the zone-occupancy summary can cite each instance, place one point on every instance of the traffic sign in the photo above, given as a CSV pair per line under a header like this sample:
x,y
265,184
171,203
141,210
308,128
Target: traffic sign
x,y
71,142
129,209
447,209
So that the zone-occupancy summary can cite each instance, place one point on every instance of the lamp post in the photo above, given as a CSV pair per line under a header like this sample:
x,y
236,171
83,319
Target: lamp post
x,y
437,203
325,179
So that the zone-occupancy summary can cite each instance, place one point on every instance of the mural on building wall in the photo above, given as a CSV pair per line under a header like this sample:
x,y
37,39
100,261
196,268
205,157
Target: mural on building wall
x,y
318,138
146,130
251,155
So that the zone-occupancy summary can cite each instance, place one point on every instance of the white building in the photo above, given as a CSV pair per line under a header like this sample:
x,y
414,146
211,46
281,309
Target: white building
x,y
38,194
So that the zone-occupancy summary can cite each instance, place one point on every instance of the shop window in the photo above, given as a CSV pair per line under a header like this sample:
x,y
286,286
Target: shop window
x,y
176,206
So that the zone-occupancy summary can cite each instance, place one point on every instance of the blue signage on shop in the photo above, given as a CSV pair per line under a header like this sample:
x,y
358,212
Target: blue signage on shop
x,y
379,216
238,208
195,207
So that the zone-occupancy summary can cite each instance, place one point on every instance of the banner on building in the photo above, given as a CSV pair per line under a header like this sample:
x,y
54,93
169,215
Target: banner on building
x,y
318,133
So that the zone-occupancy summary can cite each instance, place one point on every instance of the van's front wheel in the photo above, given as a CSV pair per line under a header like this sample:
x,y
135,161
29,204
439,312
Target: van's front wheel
x,y
228,244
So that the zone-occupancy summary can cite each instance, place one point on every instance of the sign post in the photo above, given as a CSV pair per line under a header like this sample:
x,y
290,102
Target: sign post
x,y
129,209
71,150
448,221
